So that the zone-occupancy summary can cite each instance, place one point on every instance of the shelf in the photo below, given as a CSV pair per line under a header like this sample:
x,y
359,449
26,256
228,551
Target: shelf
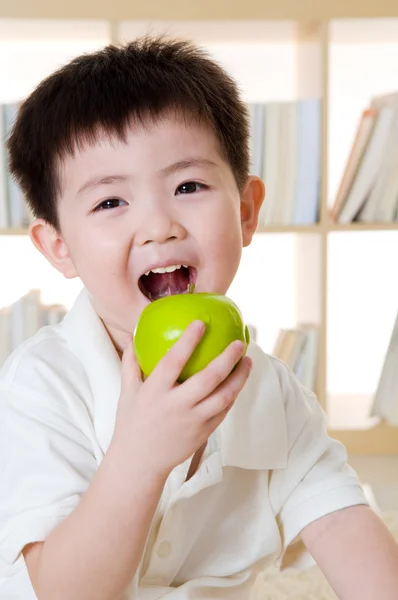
x,y
261,229
207,9
381,440
328,227
363,227
315,228
14,231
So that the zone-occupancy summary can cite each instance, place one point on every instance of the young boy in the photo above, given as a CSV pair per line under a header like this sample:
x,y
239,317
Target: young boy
x,y
135,159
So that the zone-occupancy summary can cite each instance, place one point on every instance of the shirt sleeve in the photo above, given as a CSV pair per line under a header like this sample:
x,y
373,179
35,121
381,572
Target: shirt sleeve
x,y
317,480
46,465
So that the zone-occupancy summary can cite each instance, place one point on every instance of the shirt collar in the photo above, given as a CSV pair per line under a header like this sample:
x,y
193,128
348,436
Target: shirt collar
x,y
253,435
90,342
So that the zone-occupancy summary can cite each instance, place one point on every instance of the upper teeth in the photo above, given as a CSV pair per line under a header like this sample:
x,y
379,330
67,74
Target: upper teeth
x,y
169,269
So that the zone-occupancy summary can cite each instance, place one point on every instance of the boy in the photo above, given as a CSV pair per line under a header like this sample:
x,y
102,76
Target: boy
x,y
134,160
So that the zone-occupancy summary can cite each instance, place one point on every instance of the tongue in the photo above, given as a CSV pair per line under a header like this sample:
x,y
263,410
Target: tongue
x,y
166,284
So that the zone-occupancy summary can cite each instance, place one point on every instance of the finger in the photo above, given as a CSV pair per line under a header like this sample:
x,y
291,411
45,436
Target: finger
x,y
216,421
131,372
202,384
223,398
168,370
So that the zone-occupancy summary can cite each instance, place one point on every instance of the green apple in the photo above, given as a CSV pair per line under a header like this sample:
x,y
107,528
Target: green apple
x,y
162,323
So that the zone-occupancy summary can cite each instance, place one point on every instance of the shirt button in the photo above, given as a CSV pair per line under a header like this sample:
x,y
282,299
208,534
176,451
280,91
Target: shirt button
x,y
164,549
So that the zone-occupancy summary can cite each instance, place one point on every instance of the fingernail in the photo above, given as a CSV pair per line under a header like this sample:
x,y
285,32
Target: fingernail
x,y
239,345
199,325
249,362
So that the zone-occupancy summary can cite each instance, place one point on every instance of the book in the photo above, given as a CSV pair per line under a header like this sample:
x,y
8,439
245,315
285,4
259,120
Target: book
x,y
289,348
257,126
17,326
287,138
307,192
287,165
284,151
22,319
361,141
4,217
382,202
53,314
286,154
5,334
32,313
270,167
25,317
279,343
298,349
15,199
380,205
370,165
385,402
307,362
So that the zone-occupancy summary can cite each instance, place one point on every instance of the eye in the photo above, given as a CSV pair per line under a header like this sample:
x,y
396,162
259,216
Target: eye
x,y
190,187
110,203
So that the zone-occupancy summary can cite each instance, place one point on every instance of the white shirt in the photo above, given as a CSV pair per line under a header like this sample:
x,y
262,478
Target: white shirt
x,y
268,471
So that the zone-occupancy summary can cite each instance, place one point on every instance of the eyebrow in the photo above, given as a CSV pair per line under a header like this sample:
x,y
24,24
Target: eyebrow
x,y
186,164
101,180
180,165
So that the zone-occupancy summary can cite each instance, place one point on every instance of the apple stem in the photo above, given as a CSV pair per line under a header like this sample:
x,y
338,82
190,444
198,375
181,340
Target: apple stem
x,y
191,288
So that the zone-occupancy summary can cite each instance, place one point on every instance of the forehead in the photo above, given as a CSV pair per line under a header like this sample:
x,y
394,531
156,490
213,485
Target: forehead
x,y
136,128
150,141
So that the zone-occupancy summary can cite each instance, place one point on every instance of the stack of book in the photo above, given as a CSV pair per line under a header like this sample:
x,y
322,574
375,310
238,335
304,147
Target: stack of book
x,y
14,212
286,154
385,403
23,319
368,190
298,348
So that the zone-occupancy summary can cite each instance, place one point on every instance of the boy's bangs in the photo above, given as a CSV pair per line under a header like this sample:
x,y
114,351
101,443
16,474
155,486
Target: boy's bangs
x,y
77,138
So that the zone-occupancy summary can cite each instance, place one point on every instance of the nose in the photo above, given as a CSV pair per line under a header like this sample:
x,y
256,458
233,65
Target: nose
x,y
158,226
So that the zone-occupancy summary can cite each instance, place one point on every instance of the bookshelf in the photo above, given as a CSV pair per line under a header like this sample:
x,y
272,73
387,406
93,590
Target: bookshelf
x,y
305,50
205,10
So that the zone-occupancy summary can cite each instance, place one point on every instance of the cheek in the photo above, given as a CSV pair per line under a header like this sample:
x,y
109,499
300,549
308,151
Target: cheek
x,y
224,234
99,259
223,254
220,219
221,231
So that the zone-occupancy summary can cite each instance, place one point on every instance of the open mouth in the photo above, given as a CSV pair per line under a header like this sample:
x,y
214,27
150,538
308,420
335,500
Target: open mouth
x,y
167,281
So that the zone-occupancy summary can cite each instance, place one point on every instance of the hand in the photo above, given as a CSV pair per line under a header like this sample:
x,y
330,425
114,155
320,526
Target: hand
x,y
164,422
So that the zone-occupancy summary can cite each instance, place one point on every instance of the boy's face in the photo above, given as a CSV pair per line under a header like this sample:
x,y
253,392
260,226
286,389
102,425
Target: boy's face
x,y
165,197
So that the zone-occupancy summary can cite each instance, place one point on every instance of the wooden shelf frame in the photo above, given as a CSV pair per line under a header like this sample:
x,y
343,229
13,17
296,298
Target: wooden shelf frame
x,y
193,10
380,440
320,228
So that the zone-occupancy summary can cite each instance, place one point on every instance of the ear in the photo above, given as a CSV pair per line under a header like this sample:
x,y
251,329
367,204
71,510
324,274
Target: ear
x,y
250,204
51,244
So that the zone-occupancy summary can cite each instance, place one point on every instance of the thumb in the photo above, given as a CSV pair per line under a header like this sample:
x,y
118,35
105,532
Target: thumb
x,y
131,372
